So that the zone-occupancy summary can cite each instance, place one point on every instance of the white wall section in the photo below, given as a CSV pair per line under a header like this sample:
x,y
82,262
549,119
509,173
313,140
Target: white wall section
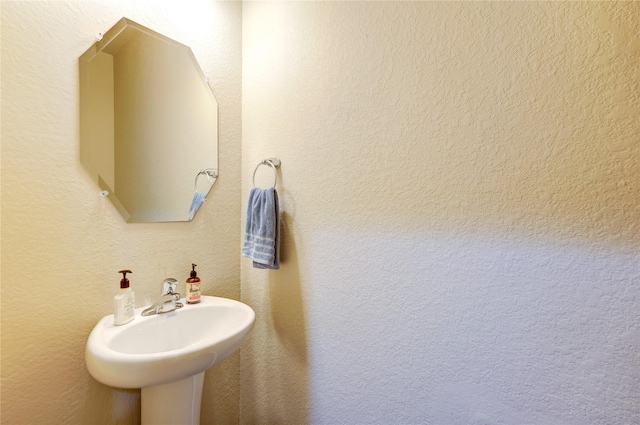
x,y
459,186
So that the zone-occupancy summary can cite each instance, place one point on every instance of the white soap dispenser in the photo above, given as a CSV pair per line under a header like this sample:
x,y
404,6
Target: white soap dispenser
x,y
124,302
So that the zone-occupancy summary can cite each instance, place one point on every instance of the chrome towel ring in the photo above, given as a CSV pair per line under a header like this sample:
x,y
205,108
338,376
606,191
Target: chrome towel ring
x,y
211,174
271,162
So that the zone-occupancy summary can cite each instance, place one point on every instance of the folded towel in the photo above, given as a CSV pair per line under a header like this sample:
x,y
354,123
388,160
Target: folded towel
x,y
198,199
262,230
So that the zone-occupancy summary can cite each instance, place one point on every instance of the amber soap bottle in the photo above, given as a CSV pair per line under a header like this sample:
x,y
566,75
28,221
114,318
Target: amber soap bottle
x,y
193,286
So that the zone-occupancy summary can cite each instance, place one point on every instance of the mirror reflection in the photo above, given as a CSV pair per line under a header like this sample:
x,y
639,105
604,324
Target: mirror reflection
x,y
148,123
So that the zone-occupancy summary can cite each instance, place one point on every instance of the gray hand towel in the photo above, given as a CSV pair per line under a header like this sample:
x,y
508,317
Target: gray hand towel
x,y
262,230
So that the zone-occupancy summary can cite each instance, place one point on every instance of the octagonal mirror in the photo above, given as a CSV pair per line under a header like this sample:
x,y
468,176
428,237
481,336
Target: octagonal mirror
x,y
148,124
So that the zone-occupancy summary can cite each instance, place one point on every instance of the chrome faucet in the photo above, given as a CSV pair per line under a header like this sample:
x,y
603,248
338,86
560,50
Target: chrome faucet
x,y
169,300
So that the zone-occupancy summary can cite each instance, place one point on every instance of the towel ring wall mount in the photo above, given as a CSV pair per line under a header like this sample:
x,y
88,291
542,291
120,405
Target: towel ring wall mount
x,y
274,163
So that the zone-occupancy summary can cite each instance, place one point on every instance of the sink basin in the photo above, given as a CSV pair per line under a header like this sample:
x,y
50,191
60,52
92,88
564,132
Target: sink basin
x,y
155,351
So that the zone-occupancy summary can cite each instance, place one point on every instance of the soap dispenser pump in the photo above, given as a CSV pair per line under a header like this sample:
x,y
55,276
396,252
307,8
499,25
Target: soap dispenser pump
x,y
193,286
124,302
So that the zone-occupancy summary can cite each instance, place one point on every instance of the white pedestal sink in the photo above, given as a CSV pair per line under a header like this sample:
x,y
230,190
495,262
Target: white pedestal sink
x,y
166,355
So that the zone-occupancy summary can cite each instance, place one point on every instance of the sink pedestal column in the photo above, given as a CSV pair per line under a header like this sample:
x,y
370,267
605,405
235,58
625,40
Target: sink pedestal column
x,y
173,403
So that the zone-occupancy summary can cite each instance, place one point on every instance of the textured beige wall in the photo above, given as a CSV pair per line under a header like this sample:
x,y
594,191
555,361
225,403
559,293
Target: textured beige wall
x,y
62,244
501,122
459,186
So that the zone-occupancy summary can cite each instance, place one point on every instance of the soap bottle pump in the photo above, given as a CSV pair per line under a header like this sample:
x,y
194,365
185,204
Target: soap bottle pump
x,y
193,286
124,302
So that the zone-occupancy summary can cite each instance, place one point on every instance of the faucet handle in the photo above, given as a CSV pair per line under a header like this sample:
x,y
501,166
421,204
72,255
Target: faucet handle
x,y
169,286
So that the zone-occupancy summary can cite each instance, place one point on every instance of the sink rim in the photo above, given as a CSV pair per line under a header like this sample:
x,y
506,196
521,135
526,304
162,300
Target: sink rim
x,y
138,370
